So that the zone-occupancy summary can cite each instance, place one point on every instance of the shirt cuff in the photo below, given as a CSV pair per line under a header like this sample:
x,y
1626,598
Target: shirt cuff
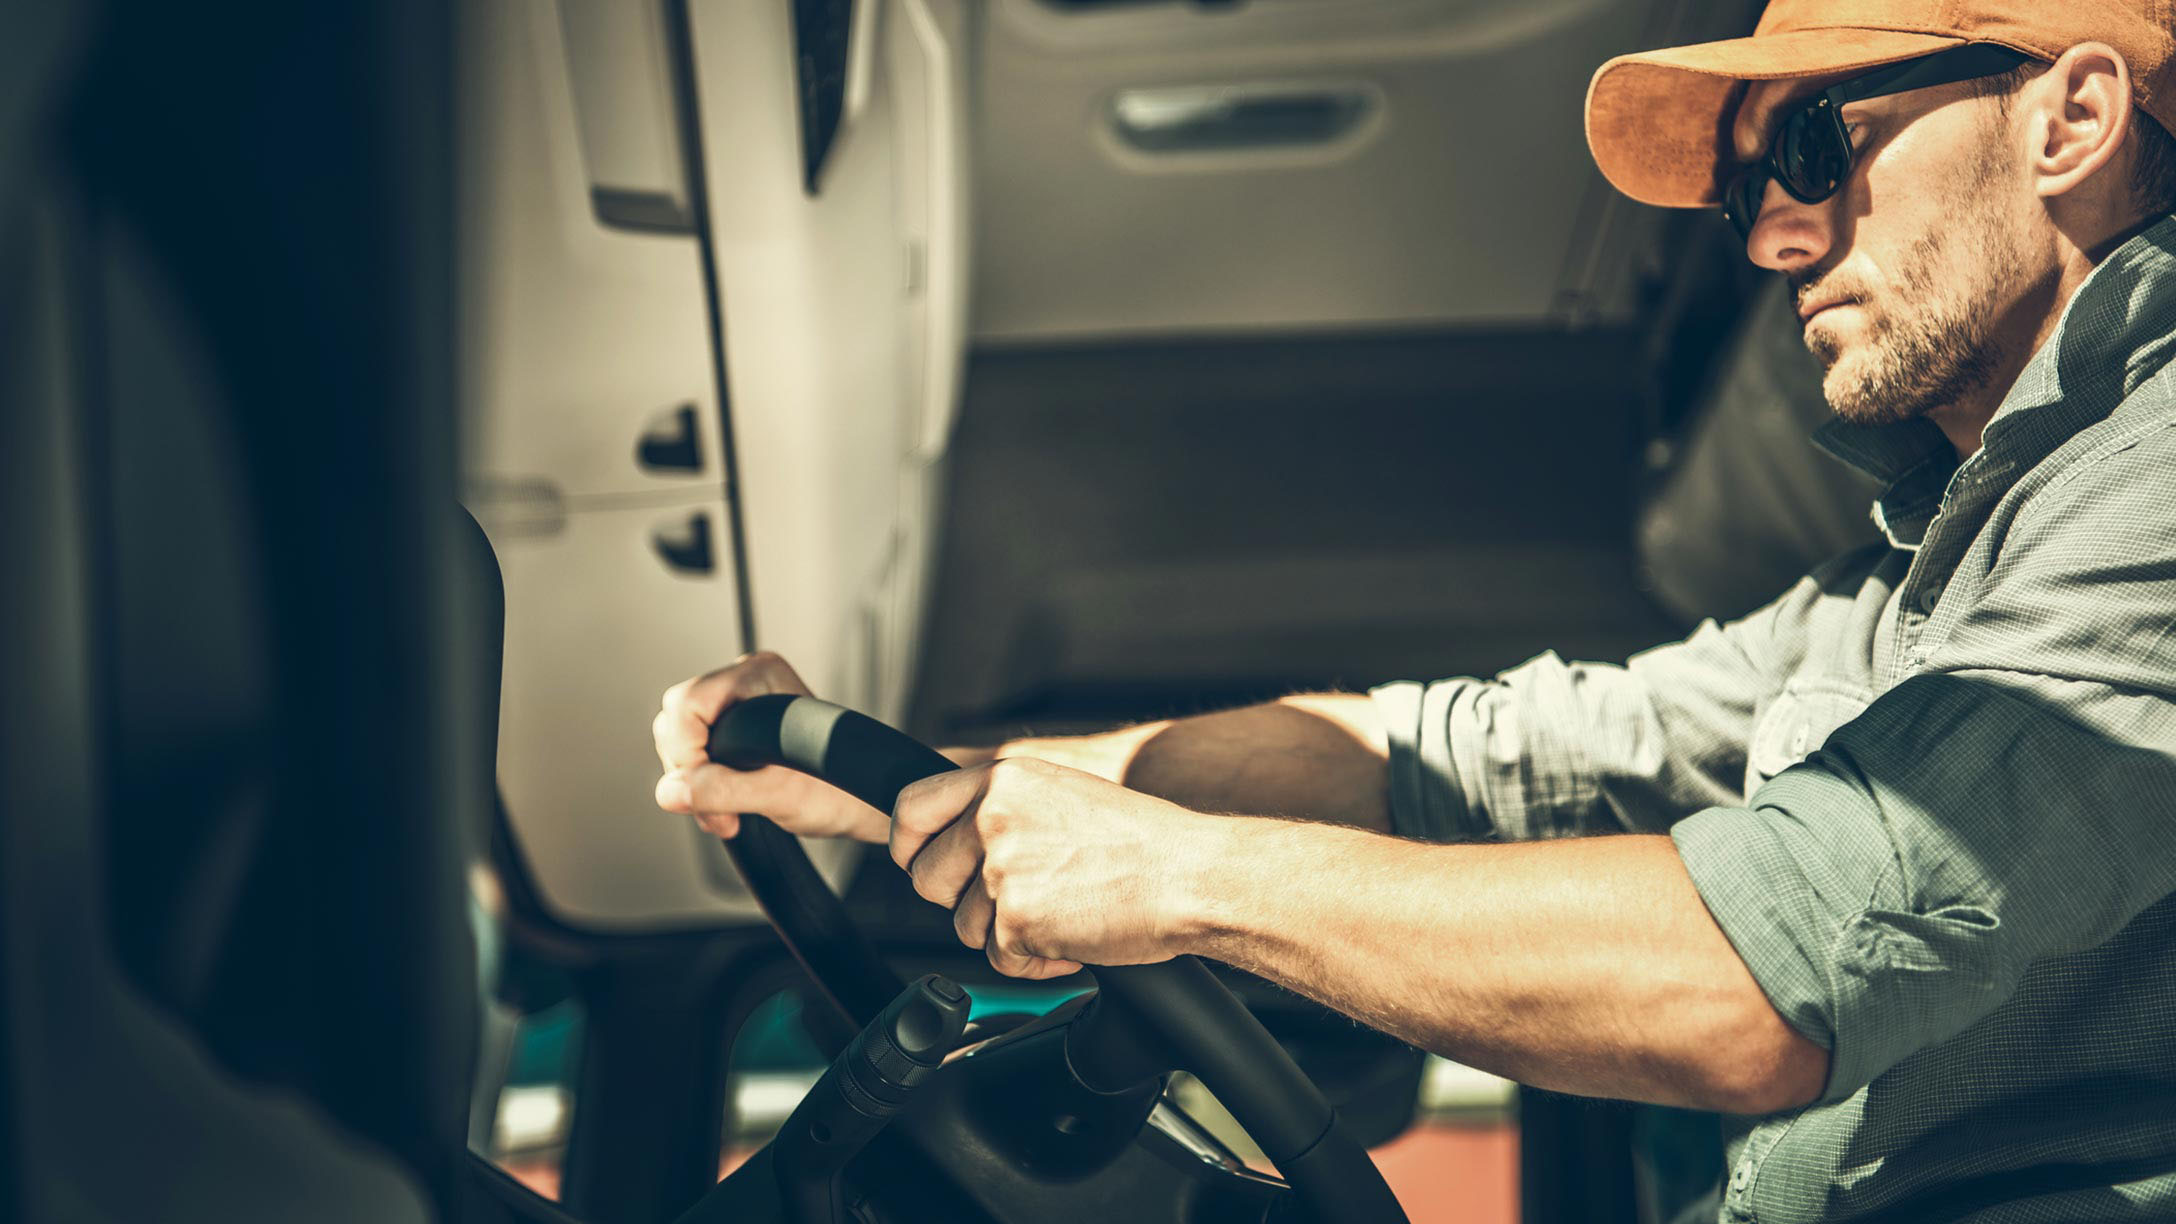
x,y
1427,797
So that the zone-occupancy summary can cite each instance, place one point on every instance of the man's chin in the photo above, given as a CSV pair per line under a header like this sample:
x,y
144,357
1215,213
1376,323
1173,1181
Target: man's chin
x,y
1851,395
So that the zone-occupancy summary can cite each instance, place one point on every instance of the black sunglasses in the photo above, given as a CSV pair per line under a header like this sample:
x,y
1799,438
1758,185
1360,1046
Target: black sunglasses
x,y
1810,154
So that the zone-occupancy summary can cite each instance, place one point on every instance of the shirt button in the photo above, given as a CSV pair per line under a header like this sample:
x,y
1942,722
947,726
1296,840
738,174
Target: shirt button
x,y
1741,1176
1927,599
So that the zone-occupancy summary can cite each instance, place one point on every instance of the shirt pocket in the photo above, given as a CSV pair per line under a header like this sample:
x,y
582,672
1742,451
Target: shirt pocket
x,y
1799,720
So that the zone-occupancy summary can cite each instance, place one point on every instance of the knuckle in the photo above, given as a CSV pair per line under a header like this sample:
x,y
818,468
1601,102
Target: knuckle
x,y
924,886
1017,939
913,819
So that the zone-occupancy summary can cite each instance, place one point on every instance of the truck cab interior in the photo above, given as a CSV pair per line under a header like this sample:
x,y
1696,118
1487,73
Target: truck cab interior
x,y
395,398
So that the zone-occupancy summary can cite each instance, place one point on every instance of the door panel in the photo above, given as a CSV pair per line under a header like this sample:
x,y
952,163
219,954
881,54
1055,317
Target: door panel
x,y
578,336
844,317
593,446
575,761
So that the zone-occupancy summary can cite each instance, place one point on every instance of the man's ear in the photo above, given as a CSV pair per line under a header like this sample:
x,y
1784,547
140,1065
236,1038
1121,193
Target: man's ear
x,y
2077,115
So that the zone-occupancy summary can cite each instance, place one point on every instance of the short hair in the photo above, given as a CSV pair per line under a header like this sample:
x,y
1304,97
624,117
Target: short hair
x,y
2153,170
2153,163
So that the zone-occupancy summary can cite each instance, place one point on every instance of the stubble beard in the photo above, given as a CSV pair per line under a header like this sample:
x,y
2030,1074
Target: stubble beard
x,y
1915,364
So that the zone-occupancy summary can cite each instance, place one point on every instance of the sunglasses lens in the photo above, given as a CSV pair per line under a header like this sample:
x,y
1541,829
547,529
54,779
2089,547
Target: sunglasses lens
x,y
1811,154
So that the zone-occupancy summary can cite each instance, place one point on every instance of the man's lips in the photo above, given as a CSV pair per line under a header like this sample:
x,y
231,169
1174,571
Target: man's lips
x,y
1810,309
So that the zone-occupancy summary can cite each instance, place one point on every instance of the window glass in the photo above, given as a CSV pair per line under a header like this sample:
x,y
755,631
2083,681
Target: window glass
x,y
535,1100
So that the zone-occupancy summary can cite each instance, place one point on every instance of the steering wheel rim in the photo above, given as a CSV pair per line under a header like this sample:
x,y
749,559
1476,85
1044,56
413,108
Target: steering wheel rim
x,y
1176,1008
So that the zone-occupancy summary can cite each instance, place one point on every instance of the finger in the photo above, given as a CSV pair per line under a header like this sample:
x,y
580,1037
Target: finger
x,y
769,791
682,740
719,824
673,793
1009,956
752,675
972,917
929,807
948,864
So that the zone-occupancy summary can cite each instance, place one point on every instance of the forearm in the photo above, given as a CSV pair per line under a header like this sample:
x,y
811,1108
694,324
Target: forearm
x,y
1319,757
1588,966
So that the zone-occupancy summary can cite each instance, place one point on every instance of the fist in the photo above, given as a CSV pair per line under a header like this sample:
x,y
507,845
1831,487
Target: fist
x,y
1046,868
692,785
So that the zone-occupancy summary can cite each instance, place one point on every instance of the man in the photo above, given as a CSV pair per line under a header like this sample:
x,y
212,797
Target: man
x,y
1892,885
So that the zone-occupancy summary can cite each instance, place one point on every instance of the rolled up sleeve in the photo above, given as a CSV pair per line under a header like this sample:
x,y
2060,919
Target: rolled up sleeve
x,y
1553,749
1894,888
1428,799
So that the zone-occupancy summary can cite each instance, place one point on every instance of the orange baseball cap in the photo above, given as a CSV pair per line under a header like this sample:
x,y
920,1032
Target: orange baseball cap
x,y
1659,121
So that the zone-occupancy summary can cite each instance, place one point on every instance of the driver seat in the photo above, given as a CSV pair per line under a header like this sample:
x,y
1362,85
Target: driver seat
x,y
236,979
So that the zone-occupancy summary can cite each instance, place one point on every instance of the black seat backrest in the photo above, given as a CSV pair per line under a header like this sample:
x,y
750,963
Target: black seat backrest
x,y
239,775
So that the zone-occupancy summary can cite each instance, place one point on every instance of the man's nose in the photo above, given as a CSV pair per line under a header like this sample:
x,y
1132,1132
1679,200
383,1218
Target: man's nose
x,y
1789,235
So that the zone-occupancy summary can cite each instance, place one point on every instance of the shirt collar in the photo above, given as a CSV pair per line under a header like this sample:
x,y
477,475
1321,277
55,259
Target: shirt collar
x,y
2117,330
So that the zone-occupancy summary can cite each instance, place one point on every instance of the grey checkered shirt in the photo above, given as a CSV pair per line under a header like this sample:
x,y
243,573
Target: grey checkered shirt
x,y
1929,795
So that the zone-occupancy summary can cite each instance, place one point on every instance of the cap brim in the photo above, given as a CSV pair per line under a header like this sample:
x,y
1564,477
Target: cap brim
x,y
1659,121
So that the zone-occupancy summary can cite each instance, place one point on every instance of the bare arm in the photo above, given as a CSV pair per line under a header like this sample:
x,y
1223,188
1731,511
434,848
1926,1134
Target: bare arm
x,y
1586,965
1314,757
1320,756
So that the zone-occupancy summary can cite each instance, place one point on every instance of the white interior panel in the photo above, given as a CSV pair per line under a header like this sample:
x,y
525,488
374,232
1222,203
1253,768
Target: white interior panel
x,y
844,325
576,764
1437,211
574,336
623,94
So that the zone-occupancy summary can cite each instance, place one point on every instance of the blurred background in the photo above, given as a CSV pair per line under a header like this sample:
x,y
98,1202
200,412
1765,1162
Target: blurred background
x,y
1006,365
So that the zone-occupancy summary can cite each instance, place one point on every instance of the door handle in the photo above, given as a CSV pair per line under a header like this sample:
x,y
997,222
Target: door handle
x,y
670,443
685,546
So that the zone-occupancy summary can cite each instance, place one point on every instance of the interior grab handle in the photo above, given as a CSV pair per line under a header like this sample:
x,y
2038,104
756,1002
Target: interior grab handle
x,y
1182,119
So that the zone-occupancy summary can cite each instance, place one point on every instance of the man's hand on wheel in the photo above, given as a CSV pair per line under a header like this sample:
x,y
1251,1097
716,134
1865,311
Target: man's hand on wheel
x,y
1045,867
717,796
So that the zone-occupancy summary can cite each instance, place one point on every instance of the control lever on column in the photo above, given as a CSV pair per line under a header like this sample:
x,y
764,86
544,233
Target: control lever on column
x,y
868,1083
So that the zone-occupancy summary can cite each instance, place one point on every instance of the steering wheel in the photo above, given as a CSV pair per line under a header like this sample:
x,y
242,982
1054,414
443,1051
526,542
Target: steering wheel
x,y
1143,1021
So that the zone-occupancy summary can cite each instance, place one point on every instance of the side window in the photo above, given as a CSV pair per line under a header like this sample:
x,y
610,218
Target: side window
x,y
523,1127
773,1064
